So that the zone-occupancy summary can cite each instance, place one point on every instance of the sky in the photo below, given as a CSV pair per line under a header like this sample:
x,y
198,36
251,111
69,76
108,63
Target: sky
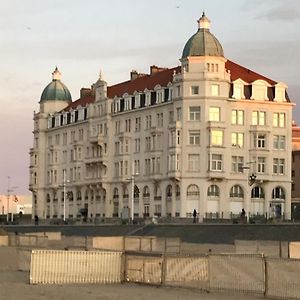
x,y
82,37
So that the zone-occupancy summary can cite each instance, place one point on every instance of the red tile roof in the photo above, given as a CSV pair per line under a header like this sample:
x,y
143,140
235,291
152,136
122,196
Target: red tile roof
x,y
162,78
141,83
81,102
238,71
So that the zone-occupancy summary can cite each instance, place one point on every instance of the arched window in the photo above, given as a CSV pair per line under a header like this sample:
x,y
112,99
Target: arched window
x,y
78,195
177,190
213,191
236,192
257,192
116,193
169,190
278,193
70,196
48,197
146,191
136,192
125,192
192,191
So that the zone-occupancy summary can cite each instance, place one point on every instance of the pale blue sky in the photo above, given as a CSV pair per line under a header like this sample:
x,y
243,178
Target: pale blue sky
x,y
82,36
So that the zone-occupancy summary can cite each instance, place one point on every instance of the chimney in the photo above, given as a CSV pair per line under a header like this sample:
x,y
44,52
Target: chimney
x,y
154,69
85,92
134,75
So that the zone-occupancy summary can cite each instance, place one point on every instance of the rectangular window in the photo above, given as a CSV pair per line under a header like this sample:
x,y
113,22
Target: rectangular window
x,y
194,137
138,124
237,117
216,137
279,142
160,120
194,113
148,143
216,162
237,139
259,118
278,166
194,162
195,90
137,145
237,164
215,90
260,142
148,122
214,114
279,120
178,113
261,165
171,117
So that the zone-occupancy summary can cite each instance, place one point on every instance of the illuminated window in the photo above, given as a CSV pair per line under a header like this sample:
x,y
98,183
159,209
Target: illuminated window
x,y
215,90
214,114
237,117
216,137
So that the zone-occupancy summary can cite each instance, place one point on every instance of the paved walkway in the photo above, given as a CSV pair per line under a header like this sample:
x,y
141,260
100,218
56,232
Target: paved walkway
x,y
15,285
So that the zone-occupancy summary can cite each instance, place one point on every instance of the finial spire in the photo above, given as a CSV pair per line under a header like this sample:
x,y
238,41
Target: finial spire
x,y
204,22
101,74
56,75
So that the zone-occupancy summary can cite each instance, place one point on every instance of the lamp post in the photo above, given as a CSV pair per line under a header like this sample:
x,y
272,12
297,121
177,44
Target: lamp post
x,y
9,190
132,191
251,181
64,185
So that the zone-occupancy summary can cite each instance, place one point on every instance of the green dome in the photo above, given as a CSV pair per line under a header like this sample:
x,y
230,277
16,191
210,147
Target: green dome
x,y
56,90
203,42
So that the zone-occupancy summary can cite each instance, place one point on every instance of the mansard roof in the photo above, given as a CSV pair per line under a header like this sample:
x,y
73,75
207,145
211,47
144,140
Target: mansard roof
x,y
162,78
247,75
141,83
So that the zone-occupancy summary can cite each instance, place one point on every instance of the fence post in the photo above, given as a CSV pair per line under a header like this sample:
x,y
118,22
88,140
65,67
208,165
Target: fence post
x,y
163,269
266,274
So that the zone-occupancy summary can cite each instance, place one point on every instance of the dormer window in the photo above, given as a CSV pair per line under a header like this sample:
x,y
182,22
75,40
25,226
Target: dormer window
x,y
280,92
260,90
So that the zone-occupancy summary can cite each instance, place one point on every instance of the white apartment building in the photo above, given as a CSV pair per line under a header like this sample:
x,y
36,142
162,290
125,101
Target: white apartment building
x,y
209,135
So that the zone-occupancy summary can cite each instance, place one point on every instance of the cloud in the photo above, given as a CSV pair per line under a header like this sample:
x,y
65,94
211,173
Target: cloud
x,y
273,10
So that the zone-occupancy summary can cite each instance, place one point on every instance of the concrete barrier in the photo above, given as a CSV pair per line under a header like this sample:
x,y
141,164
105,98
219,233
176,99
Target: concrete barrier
x,y
3,240
115,243
132,243
268,248
51,235
192,248
294,250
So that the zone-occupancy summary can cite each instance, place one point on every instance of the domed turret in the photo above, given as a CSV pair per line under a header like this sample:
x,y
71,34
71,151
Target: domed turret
x,y
56,90
203,42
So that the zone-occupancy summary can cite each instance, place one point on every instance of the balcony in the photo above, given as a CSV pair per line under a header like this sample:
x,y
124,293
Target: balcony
x,y
215,175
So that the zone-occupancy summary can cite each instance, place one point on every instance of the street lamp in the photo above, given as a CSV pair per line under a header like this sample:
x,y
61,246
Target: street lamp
x,y
10,189
65,193
132,191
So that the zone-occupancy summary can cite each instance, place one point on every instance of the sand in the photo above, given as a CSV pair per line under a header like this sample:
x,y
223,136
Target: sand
x,y
15,285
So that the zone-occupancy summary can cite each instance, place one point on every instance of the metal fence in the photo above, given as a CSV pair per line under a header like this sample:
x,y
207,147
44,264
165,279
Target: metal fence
x,y
246,273
283,278
61,267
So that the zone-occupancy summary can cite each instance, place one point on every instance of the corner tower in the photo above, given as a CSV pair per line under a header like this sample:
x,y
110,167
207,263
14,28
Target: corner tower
x,y
56,96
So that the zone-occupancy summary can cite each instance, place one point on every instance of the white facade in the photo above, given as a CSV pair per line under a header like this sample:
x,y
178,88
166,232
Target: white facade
x,y
188,138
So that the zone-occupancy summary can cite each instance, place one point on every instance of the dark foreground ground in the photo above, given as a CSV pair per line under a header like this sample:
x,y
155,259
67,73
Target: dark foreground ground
x,y
192,233
14,285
